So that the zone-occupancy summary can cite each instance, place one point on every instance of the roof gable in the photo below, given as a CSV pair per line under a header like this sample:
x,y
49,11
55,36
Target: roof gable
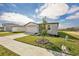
x,y
31,23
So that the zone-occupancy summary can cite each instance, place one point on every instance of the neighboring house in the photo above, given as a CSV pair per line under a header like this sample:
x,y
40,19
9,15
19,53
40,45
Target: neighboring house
x,y
13,27
1,27
31,28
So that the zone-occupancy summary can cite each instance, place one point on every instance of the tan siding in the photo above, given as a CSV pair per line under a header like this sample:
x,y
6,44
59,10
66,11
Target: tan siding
x,y
32,28
53,29
17,29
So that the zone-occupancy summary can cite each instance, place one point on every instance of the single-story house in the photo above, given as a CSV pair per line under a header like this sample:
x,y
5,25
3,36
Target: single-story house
x,y
1,27
31,28
10,27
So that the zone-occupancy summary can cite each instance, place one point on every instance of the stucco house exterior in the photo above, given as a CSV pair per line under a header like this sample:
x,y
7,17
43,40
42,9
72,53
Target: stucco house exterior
x,y
31,28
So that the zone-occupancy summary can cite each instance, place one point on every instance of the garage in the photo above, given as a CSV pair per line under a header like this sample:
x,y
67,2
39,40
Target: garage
x,y
32,28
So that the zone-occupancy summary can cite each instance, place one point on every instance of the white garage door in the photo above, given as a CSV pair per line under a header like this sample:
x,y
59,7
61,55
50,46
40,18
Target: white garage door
x,y
32,30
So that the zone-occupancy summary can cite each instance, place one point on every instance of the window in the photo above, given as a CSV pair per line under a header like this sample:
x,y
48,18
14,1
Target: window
x,y
48,27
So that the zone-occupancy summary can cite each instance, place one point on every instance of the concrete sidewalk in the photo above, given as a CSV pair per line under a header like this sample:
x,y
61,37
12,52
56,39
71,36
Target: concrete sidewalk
x,y
14,36
23,49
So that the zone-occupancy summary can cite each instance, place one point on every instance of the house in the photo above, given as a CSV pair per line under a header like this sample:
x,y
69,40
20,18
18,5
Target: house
x,y
31,28
10,27
52,28
1,27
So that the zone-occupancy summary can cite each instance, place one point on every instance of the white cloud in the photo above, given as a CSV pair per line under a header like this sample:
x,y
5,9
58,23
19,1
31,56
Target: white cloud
x,y
15,18
74,16
14,5
73,9
53,10
41,8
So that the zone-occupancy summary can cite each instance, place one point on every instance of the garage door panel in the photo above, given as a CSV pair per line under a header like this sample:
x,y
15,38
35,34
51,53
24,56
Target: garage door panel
x,y
32,29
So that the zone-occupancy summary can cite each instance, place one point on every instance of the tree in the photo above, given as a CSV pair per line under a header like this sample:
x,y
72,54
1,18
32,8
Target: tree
x,y
43,31
43,28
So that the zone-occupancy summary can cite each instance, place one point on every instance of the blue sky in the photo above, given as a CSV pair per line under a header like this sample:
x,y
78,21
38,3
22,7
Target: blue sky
x,y
67,14
23,8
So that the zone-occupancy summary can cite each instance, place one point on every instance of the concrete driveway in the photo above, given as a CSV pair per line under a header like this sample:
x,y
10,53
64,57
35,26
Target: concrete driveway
x,y
22,48
14,36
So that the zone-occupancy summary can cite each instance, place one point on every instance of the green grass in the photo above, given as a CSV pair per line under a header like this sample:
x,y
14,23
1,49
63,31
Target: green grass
x,y
72,36
6,52
55,43
7,33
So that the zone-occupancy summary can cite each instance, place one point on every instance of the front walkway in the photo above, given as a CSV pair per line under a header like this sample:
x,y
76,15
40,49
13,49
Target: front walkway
x,y
22,48
14,36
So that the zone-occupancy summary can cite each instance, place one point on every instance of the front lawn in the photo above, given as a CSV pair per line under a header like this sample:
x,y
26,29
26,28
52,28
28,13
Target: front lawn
x,y
7,33
6,52
71,34
55,43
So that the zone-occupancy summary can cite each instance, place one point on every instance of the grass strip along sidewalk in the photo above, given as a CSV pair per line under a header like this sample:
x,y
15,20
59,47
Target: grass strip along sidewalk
x,y
6,52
